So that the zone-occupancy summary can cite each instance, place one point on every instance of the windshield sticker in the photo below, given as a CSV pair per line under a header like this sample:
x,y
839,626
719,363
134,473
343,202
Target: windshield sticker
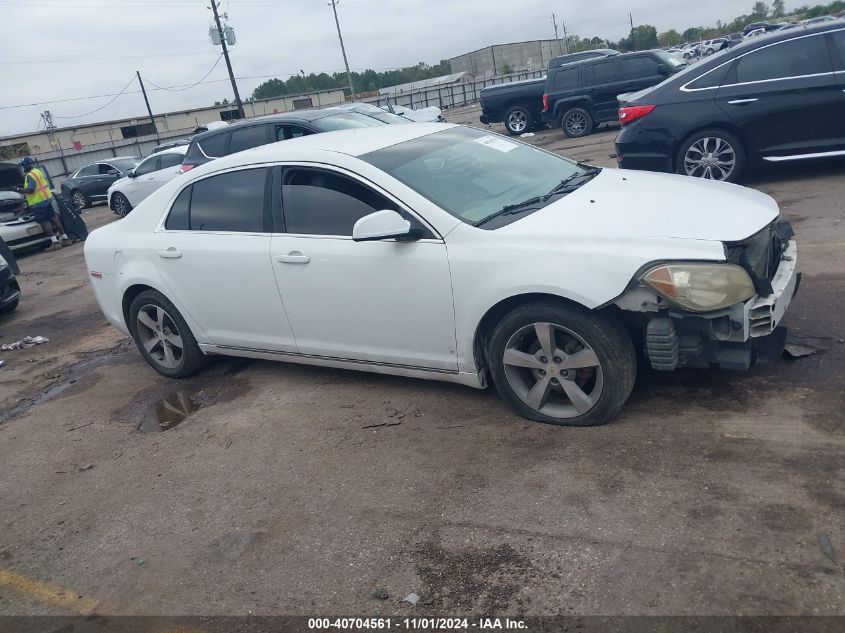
x,y
496,143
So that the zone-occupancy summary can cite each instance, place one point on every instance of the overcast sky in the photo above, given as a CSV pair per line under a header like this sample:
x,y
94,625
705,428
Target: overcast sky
x,y
62,49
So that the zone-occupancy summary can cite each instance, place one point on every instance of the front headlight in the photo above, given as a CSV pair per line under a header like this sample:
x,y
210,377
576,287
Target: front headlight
x,y
700,287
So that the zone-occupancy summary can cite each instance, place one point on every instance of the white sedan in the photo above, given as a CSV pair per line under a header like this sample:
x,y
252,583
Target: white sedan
x,y
150,174
446,252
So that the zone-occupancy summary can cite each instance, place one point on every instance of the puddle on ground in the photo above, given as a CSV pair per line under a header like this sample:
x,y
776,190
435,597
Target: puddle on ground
x,y
169,412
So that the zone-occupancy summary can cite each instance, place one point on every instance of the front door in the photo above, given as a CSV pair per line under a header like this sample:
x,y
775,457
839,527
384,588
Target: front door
x,y
837,50
384,302
141,183
784,99
214,257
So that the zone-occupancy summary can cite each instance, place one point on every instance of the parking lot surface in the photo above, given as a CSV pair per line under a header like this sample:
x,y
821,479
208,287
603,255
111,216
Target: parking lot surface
x,y
288,489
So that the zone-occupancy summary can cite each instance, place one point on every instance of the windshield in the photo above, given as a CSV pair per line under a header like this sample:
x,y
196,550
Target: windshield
x,y
673,62
473,174
344,121
387,117
124,164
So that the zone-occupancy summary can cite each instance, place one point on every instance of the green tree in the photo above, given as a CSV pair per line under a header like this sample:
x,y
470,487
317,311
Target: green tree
x,y
760,10
778,9
669,38
692,34
645,37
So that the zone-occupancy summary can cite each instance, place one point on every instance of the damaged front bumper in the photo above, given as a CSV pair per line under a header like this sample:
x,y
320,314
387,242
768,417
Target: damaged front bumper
x,y
734,338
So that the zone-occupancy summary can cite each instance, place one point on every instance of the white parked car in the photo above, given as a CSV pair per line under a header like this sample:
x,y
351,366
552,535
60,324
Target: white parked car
x,y
445,252
150,174
417,115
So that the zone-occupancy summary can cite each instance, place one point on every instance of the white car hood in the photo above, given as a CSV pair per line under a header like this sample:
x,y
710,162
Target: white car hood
x,y
635,204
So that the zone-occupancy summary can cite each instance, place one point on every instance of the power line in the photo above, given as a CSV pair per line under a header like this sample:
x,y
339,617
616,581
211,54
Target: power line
x,y
177,87
79,116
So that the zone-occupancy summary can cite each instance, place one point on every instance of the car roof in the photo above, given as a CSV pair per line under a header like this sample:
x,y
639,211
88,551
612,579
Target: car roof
x,y
352,142
772,37
106,161
284,117
179,149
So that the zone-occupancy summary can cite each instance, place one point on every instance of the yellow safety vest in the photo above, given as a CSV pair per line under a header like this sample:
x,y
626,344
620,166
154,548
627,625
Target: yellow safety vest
x,y
42,189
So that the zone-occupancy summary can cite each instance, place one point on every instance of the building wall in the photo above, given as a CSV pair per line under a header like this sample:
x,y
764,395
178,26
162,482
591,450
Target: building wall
x,y
110,132
520,56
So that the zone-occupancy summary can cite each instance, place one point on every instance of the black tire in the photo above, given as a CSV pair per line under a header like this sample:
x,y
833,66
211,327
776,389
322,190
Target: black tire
x,y
120,204
7,309
518,120
716,134
576,122
614,351
192,358
79,199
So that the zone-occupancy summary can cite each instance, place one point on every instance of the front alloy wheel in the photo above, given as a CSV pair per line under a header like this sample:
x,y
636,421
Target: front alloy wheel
x,y
559,363
120,205
553,370
79,200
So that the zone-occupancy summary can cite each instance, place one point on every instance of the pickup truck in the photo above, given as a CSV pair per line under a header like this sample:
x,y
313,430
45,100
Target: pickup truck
x,y
519,104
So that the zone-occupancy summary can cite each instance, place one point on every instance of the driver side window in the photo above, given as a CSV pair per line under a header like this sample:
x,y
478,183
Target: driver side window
x,y
148,166
321,202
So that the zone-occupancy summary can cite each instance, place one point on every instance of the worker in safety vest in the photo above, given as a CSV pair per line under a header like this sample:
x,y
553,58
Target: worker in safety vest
x,y
39,198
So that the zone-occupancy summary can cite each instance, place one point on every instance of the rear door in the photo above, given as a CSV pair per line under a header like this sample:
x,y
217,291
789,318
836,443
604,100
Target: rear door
x,y
640,71
602,84
785,99
836,40
250,136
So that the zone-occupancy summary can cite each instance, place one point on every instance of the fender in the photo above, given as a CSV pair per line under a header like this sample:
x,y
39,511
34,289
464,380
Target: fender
x,y
564,104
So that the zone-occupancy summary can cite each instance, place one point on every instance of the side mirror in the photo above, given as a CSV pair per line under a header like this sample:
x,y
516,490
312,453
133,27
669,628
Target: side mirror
x,y
131,174
113,172
383,225
663,69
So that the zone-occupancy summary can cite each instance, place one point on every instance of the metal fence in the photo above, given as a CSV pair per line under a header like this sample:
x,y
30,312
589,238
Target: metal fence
x,y
61,164
451,96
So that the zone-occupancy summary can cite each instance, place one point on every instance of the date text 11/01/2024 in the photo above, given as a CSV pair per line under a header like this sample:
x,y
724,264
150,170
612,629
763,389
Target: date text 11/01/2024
x,y
426,624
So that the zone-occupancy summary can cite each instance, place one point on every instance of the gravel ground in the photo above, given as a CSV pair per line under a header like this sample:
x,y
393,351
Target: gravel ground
x,y
711,493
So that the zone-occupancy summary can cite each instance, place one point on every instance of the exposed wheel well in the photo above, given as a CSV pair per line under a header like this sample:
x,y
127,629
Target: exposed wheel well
x,y
129,297
721,125
562,109
494,315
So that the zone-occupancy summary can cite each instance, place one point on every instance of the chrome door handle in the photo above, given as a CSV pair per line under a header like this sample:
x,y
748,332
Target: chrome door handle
x,y
294,257
170,253
741,101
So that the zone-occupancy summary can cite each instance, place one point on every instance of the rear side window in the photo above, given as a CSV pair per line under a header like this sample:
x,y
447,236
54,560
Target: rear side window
x,y
838,38
177,219
319,202
793,58
711,79
215,146
170,160
247,138
565,79
639,67
233,201
599,73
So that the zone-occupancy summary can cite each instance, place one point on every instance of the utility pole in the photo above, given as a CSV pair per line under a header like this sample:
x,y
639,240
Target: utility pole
x,y
147,101
565,36
47,116
343,50
559,49
214,4
633,44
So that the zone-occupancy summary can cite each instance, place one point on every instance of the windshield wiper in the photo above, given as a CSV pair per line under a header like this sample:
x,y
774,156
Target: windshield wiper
x,y
564,186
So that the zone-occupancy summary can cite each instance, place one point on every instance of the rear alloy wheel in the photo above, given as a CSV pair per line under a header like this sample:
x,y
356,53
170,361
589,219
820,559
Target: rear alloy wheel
x,y
79,199
713,155
518,120
562,364
576,123
120,204
163,336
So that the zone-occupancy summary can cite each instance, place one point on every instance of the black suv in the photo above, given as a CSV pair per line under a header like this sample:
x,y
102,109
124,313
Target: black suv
x,y
771,99
582,95
269,129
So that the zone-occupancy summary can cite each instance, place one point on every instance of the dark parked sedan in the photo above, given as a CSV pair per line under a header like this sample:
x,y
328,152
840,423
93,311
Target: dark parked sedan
x,y
91,183
771,99
269,129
